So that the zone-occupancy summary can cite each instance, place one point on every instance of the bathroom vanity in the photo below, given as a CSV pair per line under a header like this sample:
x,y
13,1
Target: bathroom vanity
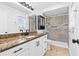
x,y
33,44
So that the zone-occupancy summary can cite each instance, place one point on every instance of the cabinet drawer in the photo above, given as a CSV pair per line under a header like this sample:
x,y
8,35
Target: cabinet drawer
x,y
14,51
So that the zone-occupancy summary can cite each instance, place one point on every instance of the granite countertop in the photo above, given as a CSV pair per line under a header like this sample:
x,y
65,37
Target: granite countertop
x,y
11,42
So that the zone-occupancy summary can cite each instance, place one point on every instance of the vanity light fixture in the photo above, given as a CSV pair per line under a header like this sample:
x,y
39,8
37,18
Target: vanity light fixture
x,y
27,5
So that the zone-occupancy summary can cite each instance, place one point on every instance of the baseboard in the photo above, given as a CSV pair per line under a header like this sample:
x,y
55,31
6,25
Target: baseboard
x,y
57,43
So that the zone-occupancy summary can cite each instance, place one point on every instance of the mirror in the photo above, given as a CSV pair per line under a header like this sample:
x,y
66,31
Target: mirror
x,y
21,23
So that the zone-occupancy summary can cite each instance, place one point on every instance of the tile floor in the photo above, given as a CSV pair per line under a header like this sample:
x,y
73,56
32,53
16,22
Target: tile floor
x,y
57,51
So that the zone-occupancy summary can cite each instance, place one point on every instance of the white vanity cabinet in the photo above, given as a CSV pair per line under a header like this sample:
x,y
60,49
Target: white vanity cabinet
x,y
36,47
44,44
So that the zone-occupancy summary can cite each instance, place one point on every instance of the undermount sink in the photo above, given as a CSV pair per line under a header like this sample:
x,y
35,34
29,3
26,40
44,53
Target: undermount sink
x,y
32,36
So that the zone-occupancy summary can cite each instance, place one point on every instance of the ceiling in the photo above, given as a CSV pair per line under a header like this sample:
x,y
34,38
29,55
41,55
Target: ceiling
x,y
60,11
39,6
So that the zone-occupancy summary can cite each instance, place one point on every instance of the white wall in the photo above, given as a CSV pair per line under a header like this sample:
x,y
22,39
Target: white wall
x,y
8,16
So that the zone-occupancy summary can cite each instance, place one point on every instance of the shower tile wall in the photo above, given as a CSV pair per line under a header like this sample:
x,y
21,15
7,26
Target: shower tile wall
x,y
32,23
57,28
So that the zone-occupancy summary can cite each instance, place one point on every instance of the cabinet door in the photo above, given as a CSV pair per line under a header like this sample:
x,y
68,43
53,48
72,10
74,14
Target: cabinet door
x,y
33,47
44,44
41,48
